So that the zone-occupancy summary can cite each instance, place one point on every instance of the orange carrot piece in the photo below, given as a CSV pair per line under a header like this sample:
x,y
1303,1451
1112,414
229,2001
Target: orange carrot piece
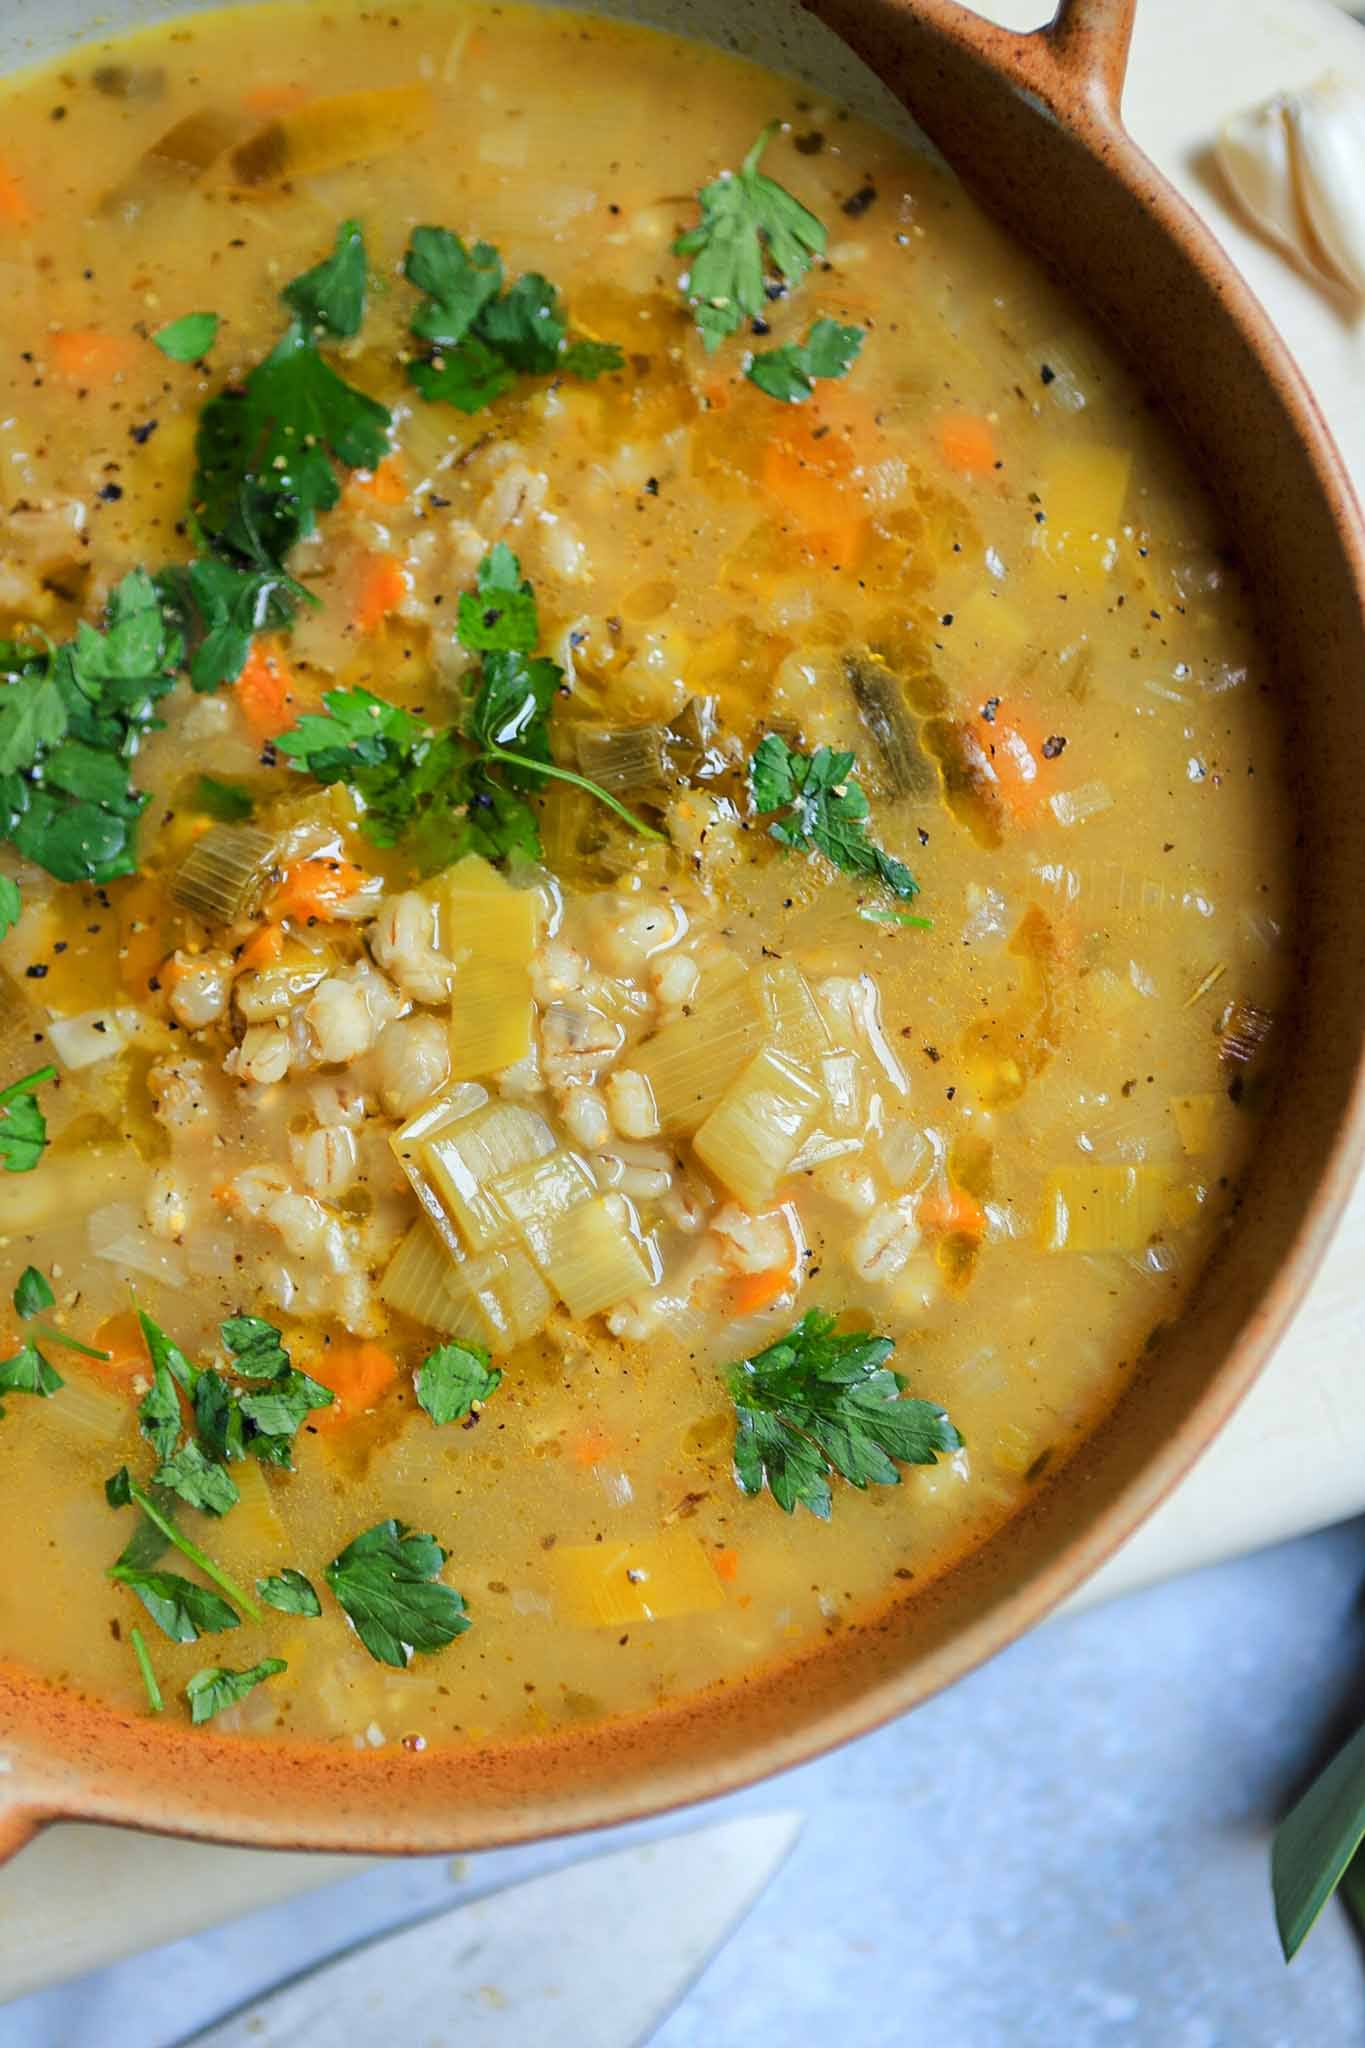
x,y
1011,751
387,485
315,889
358,1373
591,1447
383,588
808,470
121,1336
967,443
88,356
15,210
756,1291
952,1214
262,951
725,1564
265,691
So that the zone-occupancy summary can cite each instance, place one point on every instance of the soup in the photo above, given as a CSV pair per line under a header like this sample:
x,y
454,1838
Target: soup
x,y
644,873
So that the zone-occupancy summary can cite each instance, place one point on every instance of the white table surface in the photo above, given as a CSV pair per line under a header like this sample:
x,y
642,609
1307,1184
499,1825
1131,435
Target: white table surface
x,y
1292,1459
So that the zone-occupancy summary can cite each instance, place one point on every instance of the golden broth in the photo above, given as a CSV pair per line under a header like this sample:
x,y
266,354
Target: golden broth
x,y
1054,1083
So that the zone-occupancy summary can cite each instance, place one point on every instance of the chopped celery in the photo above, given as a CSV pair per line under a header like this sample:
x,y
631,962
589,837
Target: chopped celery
x,y
1083,496
462,1159
223,872
416,1282
691,1062
497,1300
795,1025
611,1585
594,1256
537,1196
489,929
1104,1208
756,1130
449,1107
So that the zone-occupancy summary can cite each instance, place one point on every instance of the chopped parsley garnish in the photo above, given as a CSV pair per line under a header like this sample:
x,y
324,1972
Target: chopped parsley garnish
x,y
71,720
189,339
23,1127
33,1293
816,1403
220,607
822,810
122,1491
181,1609
148,1675
455,790
387,1582
330,298
750,229
199,1481
29,1372
289,1592
453,1378
11,905
790,373
229,1423
255,1348
482,338
214,1688
228,802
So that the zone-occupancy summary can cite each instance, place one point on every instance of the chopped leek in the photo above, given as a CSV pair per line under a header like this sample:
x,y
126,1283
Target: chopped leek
x,y
326,134
691,1062
415,1283
880,698
756,1130
594,1256
464,1159
628,760
612,1585
1104,1208
497,1300
794,1023
224,872
449,1107
489,929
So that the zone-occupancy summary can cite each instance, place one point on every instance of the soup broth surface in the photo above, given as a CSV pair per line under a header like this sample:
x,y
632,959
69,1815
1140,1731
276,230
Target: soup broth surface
x,y
445,1087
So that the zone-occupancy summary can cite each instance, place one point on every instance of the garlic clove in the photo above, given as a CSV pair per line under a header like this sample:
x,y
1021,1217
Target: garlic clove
x,y
1253,154
1327,144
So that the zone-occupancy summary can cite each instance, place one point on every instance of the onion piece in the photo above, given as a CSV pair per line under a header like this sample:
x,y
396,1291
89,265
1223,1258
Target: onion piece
x,y
93,1036
224,872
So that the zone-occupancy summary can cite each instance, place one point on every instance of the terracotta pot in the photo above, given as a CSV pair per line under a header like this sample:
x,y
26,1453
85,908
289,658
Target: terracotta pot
x,y
1032,122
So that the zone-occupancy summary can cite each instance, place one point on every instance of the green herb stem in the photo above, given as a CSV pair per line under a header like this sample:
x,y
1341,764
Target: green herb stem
x,y
594,789
191,1550
144,1665
55,1336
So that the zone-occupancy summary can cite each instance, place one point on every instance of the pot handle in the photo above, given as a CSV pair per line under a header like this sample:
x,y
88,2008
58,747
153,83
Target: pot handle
x,y
1088,42
1076,65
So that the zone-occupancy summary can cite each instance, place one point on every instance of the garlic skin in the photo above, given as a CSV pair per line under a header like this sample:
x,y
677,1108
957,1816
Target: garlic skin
x,y
1296,165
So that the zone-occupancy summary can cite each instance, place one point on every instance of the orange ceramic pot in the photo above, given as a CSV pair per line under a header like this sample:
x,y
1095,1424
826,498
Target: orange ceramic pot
x,y
1032,123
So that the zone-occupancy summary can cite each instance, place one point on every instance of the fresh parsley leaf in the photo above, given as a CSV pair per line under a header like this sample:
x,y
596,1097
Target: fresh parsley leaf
x,y
28,1372
182,1609
289,1592
500,612
158,1414
221,606
789,373
11,905
265,452
214,1688
255,1348
167,1355
123,1491
198,1481
283,1407
23,1127
387,1583
511,712
453,1378
226,801
459,283
330,299
481,337
750,227
148,1675
822,810
33,1293
188,339
69,728
816,1403
218,1419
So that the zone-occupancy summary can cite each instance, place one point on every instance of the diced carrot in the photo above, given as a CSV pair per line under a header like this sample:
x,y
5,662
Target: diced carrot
x,y
808,466
265,691
387,485
15,210
967,443
261,951
1011,748
383,587
716,395
121,1336
725,1564
756,1291
952,1213
591,1447
267,100
315,889
358,1373
88,356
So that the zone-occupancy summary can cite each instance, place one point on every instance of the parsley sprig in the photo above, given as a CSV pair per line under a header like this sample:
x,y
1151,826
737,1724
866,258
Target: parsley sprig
x,y
230,1422
444,792
215,1687
482,338
23,1127
751,229
816,1403
388,1583
817,807
790,373
453,1378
